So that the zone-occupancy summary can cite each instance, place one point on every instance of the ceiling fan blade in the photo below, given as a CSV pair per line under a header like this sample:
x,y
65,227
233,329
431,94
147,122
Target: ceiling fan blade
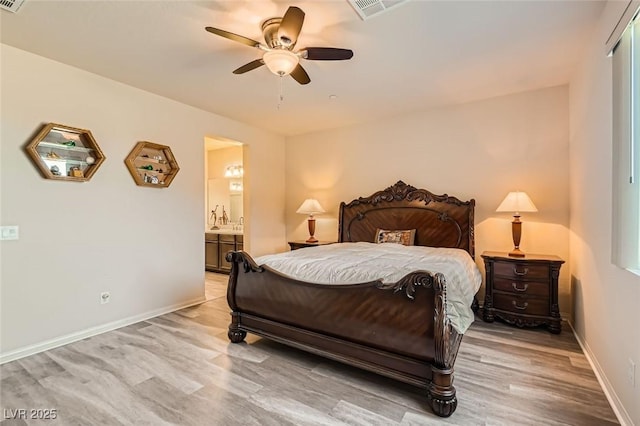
x,y
326,54
300,75
250,66
232,36
290,26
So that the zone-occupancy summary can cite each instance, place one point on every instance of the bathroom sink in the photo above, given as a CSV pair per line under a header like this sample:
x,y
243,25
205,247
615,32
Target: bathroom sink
x,y
224,231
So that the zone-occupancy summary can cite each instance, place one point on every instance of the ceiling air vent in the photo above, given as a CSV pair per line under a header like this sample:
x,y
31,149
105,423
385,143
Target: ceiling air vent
x,y
368,8
11,5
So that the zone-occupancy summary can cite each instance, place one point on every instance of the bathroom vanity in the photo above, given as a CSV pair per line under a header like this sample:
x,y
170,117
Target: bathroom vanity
x,y
217,243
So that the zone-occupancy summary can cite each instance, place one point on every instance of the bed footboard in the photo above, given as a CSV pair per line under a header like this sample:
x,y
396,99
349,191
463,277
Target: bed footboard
x,y
398,330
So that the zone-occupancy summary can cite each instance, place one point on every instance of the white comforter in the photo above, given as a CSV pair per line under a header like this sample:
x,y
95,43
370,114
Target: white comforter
x,y
350,263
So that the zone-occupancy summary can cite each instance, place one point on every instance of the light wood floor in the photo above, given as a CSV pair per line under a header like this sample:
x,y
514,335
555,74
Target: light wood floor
x,y
180,368
215,285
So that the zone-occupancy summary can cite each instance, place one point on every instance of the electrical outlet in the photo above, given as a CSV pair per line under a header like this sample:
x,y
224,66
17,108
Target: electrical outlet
x,y
631,373
105,296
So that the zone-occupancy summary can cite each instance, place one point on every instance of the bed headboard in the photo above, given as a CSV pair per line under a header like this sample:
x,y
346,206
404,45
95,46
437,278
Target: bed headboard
x,y
439,220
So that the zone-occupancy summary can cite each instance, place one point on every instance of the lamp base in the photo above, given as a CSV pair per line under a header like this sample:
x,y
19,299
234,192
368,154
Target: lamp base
x,y
516,253
516,231
312,230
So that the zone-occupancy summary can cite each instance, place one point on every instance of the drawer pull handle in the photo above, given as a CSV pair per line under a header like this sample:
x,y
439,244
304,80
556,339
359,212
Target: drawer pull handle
x,y
522,308
516,288
523,272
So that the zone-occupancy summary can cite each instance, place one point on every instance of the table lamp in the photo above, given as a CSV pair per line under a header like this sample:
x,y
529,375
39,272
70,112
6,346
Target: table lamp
x,y
516,202
310,207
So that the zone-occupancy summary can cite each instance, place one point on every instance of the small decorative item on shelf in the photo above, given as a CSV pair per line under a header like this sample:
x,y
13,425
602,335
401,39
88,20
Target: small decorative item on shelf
x,y
65,153
151,179
76,172
152,164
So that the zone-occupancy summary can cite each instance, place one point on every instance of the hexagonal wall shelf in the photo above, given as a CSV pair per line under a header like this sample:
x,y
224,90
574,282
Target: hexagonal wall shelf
x,y
152,164
65,153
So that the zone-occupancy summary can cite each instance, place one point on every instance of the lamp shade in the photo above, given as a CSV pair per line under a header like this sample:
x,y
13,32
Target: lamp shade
x,y
310,206
517,202
281,62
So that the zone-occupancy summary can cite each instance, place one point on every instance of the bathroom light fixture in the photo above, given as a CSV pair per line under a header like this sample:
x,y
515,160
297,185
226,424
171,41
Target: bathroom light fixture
x,y
235,186
516,202
280,61
311,206
234,172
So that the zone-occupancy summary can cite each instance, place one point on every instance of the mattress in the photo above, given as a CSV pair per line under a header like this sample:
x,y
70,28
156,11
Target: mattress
x,y
351,263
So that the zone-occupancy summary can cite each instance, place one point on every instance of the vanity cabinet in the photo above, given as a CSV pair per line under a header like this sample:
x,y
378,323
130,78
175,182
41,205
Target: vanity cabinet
x,y
211,252
226,243
216,248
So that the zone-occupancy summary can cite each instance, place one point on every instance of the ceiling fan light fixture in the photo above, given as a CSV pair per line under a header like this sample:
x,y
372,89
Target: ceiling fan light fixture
x,y
281,62
280,36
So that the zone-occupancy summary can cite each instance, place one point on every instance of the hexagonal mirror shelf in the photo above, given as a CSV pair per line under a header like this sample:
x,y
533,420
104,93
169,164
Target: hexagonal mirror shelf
x,y
152,164
65,153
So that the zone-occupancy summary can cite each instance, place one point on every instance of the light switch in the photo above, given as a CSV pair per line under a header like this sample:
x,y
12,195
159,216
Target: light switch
x,y
9,233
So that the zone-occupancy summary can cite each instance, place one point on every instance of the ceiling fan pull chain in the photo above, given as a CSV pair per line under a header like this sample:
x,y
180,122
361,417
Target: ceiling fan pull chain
x,y
280,95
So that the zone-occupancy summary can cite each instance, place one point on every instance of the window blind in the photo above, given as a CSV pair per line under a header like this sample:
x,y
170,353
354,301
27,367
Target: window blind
x,y
626,149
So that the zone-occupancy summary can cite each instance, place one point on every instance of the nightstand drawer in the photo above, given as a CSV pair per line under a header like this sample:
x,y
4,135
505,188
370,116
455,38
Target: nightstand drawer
x,y
521,304
516,286
521,270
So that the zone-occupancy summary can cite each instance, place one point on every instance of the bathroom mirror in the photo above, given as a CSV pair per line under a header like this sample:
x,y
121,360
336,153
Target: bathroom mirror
x,y
235,207
219,193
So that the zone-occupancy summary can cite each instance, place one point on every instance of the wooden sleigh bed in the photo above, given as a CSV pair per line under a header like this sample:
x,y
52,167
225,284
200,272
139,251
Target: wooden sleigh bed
x,y
398,330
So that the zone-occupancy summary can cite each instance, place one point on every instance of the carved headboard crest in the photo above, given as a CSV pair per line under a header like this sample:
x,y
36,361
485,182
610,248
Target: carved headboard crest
x,y
439,220
401,191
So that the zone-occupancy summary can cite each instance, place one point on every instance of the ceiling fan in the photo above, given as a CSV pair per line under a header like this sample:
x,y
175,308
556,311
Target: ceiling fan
x,y
281,35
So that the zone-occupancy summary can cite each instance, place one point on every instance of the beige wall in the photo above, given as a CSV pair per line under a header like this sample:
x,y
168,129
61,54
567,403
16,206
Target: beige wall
x,y
144,245
219,159
606,298
480,150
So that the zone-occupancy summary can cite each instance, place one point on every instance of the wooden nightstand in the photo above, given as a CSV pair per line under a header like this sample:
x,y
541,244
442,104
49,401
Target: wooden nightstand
x,y
522,290
295,245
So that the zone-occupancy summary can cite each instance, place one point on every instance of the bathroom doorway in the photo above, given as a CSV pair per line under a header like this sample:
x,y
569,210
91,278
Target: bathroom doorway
x,y
224,210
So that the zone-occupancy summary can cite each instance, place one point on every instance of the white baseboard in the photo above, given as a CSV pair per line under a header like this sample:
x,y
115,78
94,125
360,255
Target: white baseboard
x,y
609,392
74,337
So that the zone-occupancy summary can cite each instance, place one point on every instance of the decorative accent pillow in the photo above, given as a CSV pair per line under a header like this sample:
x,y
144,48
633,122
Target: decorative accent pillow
x,y
405,237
